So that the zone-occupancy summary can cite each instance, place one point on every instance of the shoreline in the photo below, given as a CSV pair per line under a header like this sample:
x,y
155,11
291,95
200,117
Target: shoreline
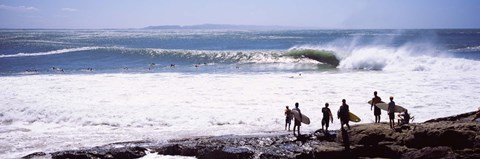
x,y
447,137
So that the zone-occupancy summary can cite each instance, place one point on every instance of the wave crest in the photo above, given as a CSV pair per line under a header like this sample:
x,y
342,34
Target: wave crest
x,y
408,57
61,51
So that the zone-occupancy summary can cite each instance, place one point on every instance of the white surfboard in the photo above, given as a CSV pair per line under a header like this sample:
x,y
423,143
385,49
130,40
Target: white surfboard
x,y
384,106
305,119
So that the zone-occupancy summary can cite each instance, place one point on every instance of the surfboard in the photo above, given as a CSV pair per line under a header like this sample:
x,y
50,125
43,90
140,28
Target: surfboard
x,y
384,106
353,117
305,119
370,102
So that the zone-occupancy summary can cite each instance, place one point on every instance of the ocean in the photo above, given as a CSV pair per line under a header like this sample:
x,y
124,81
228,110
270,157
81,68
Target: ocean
x,y
74,89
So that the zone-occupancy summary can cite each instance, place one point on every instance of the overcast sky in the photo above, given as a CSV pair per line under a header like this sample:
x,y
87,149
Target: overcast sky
x,y
329,14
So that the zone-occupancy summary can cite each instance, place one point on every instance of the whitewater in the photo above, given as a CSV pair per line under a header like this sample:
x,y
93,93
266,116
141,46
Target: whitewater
x,y
216,91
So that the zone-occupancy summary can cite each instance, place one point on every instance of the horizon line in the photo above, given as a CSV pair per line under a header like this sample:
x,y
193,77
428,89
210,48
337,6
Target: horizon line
x,y
245,27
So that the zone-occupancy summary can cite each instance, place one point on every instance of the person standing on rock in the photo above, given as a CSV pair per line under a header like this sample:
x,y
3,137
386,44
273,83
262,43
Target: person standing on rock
x,y
288,118
376,111
391,112
327,116
343,114
298,122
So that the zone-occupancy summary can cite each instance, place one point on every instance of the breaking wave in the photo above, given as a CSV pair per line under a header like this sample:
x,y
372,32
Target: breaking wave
x,y
408,57
403,58
193,56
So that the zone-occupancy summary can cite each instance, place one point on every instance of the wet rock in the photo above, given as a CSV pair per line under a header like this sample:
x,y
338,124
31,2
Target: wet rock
x,y
450,137
431,153
226,153
459,117
124,152
468,153
35,155
455,135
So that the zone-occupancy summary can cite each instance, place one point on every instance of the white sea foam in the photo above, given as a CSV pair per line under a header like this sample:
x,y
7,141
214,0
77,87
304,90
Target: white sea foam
x,y
61,51
57,112
468,49
408,57
403,59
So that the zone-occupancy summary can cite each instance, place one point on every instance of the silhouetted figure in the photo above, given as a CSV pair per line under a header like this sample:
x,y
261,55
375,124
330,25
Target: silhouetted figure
x,y
404,118
376,111
343,114
288,117
391,112
327,117
298,122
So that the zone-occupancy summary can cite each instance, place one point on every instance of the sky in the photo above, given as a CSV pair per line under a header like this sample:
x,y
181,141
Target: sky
x,y
322,14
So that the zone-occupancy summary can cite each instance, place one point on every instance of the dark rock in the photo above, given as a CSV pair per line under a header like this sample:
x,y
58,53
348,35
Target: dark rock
x,y
177,149
450,137
382,151
464,117
34,155
468,153
325,136
227,153
430,153
124,152
454,135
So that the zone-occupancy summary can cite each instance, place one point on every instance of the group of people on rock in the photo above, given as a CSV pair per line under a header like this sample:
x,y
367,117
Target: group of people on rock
x,y
344,115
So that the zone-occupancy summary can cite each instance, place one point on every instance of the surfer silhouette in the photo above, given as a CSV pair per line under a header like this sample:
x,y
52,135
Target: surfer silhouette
x,y
376,111
288,117
327,117
298,122
391,112
404,118
343,114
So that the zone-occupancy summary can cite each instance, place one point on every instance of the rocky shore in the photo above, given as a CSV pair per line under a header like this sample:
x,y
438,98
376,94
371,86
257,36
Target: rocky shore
x,y
449,137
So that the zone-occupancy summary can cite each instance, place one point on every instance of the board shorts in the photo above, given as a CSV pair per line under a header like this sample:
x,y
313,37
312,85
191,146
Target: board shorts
x,y
288,120
297,123
391,116
325,121
377,111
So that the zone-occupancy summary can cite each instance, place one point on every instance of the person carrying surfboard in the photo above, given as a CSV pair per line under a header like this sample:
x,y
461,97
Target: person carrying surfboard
x,y
376,111
288,118
298,122
327,116
391,112
343,114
